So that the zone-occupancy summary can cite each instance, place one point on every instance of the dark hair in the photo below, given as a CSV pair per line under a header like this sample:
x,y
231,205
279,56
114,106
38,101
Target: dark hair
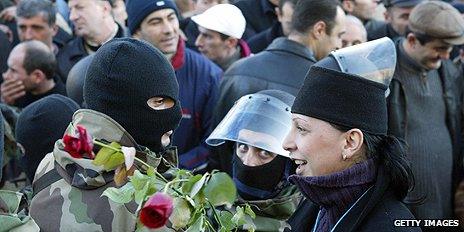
x,y
282,3
389,152
32,8
36,57
309,12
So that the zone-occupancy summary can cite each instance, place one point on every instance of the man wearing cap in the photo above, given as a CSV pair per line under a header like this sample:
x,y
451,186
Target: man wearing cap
x,y
396,19
157,23
317,29
425,104
221,28
93,25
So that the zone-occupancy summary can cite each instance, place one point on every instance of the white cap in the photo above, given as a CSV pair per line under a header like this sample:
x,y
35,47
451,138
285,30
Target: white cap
x,y
224,18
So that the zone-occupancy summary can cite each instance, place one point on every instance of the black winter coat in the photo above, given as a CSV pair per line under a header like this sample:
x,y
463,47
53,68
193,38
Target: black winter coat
x,y
259,15
375,211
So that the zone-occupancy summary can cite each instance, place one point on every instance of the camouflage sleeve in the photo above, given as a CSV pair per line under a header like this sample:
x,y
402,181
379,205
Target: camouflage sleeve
x,y
11,217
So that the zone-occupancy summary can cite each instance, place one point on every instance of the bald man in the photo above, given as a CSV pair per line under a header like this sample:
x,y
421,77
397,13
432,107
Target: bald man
x,y
30,75
355,32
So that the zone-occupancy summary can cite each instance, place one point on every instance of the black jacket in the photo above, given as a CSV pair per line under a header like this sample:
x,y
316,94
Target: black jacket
x,y
190,29
282,66
74,51
376,211
260,41
259,15
382,30
5,48
452,82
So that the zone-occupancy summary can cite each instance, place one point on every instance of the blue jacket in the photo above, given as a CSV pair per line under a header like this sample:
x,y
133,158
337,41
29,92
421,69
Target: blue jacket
x,y
198,80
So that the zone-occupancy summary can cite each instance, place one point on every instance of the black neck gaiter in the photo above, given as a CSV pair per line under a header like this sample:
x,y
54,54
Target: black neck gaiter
x,y
259,182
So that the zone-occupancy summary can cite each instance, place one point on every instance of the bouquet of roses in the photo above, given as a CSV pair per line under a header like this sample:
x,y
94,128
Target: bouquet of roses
x,y
184,202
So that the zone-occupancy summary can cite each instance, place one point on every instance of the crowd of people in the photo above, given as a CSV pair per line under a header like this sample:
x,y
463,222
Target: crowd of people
x,y
329,115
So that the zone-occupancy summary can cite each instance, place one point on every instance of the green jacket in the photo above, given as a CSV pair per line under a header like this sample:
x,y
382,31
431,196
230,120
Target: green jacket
x,y
11,217
74,202
272,214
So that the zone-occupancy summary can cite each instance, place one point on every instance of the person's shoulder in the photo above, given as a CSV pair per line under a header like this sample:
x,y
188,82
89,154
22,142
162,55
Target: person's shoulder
x,y
71,48
243,66
247,5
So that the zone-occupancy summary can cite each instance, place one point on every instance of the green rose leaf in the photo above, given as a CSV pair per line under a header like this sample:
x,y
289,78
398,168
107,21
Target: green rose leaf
x,y
249,211
121,195
197,226
226,221
139,180
221,189
151,171
104,154
187,187
190,200
115,160
140,195
198,186
181,214
239,217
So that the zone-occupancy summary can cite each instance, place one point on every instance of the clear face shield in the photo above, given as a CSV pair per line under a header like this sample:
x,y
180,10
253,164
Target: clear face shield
x,y
374,60
257,120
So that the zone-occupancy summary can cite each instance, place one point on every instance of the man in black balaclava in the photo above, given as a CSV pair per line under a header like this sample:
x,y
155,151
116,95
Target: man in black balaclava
x,y
121,88
46,119
264,181
257,125
132,95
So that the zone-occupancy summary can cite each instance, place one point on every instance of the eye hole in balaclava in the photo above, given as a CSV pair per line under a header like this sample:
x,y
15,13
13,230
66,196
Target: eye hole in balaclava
x,y
160,103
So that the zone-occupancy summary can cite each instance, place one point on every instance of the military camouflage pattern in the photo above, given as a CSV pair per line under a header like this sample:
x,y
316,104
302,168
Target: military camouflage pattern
x,y
74,203
272,214
10,149
11,217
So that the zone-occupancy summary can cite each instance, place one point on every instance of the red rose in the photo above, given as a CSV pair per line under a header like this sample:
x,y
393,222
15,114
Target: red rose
x,y
80,146
156,211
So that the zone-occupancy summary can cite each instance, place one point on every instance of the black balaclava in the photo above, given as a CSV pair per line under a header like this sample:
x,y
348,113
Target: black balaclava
x,y
259,182
39,125
124,74
267,180
75,80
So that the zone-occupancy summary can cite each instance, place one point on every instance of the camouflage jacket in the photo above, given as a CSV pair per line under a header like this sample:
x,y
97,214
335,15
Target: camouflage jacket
x,y
272,214
12,217
74,202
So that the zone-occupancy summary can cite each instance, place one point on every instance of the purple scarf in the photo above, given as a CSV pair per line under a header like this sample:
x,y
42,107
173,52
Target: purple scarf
x,y
336,192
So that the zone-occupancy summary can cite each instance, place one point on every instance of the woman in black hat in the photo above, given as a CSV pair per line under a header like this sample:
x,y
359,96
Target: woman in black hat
x,y
352,173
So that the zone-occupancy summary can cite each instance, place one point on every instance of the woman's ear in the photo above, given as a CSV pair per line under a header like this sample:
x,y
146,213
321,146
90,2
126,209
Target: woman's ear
x,y
354,140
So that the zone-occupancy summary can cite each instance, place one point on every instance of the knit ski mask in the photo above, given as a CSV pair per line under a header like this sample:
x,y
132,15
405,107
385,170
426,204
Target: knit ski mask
x,y
124,74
